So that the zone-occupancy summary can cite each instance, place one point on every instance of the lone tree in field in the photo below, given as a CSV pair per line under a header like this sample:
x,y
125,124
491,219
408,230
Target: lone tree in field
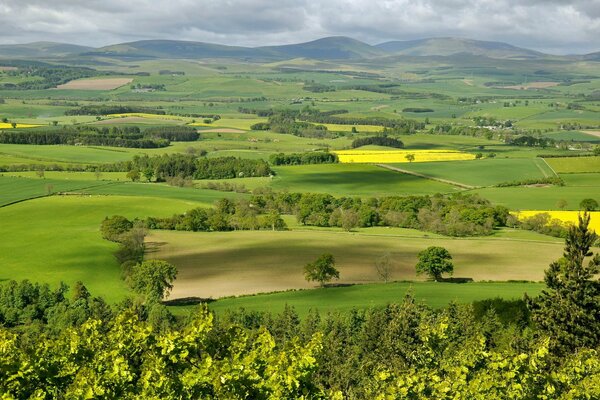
x,y
434,261
410,157
383,266
322,270
153,279
588,205
568,311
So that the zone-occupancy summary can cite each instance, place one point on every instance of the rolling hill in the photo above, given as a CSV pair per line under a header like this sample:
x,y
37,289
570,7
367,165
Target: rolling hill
x,y
452,46
41,50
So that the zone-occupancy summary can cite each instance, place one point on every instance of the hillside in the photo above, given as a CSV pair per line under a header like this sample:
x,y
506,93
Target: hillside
x,y
41,49
452,46
336,47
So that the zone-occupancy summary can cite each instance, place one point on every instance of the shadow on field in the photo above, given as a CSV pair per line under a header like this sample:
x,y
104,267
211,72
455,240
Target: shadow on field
x,y
153,247
456,280
187,301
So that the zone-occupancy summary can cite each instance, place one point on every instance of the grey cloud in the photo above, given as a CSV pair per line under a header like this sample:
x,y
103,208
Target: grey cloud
x,y
558,25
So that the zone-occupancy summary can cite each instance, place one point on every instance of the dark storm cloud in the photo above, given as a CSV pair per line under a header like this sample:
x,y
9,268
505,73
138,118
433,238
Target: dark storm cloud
x,y
561,26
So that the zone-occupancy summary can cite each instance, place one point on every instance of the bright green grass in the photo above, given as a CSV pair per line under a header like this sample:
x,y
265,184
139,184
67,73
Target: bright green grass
x,y
539,198
191,196
486,172
574,164
218,264
72,175
575,136
69,154
57,238
13,189
344,299
587,179
353,180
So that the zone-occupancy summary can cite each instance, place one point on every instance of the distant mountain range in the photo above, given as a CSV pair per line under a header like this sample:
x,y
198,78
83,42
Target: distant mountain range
x,y
329,48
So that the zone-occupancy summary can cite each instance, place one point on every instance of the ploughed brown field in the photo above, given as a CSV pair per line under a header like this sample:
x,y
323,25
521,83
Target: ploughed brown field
x,y
96,84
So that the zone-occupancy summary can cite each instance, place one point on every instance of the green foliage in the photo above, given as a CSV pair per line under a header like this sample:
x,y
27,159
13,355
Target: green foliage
x,y
152,279
321,270
129,359
317,157
588,205
569,310
378,141
435,261
114,227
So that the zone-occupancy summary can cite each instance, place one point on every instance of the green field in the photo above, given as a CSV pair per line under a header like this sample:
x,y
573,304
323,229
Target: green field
x,y
485,172
217,264
567,165
353,180
57,238
344,299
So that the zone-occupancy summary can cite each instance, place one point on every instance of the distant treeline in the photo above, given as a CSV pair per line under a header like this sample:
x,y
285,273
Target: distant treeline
x,y
392,89
112,109
315,157
128,136
454,215
378,141
187,166
531,141
296,122
51,75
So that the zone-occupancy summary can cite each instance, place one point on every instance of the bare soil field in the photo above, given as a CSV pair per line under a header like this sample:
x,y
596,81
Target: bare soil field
x,y
218,264
96,84
593,133
7,68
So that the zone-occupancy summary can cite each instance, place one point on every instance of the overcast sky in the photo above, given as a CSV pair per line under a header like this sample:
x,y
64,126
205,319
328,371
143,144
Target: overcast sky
x,y
554,26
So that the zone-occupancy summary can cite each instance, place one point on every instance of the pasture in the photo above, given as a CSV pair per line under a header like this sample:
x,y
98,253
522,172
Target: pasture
x,y
345,299
218,264
353,180
484,172
569,165
57,238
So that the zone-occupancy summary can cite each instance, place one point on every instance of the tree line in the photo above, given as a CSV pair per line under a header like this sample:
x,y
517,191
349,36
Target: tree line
x,y
454,215
132,137
314,157
539,347
378,141
164,166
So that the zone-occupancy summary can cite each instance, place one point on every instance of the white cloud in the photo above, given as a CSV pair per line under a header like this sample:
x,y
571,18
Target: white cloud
x,y
558,25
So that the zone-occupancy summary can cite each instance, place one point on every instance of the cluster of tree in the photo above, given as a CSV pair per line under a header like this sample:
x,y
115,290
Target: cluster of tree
x,y
117,137
225,187
105,109
454,215
531,141
378,141
392,89
147,86
314,157
189,166
286,122
542,223
543,347
418,110
49,76
318,88
551,180
225,216
173,133
491,121
449,129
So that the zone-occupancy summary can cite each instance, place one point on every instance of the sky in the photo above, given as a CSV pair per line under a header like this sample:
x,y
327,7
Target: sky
x,y
552,26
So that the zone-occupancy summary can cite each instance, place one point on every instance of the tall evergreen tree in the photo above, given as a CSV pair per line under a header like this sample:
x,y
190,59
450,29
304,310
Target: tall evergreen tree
x,y
568,311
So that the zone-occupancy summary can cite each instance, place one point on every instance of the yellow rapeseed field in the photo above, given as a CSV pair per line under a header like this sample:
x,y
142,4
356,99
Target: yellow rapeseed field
x,y
399,156
8,125
565,216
